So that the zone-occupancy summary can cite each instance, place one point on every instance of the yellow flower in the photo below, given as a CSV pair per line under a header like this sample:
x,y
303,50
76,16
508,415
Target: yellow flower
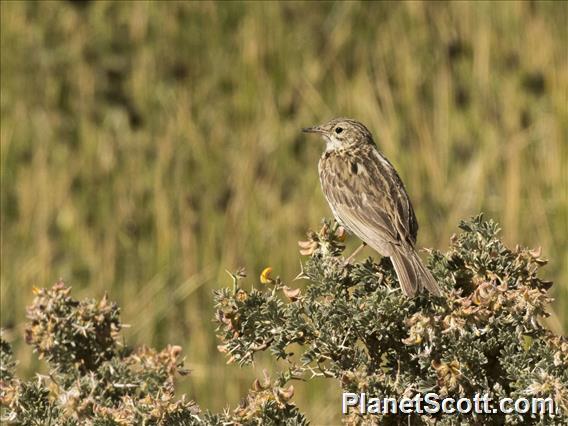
x,y
266,276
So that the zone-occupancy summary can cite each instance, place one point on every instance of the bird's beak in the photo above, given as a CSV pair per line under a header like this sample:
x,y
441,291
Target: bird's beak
x,y
315,129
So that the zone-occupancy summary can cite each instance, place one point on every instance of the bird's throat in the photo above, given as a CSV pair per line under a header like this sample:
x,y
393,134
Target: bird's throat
x,y
332,144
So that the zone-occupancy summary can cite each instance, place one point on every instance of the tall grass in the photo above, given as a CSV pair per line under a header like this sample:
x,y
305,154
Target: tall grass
x,y
147,147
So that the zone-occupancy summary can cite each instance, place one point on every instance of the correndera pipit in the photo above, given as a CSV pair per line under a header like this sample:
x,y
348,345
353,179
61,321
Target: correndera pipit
x,y
368,198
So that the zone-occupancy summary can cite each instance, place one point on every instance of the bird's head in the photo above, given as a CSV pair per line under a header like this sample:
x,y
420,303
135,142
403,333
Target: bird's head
x,y
342,132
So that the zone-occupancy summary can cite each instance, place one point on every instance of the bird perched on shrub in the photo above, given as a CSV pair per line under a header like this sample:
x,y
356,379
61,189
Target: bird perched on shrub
x,y
368,198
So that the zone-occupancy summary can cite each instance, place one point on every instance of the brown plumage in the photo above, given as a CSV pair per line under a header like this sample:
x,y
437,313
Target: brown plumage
x,y
368,198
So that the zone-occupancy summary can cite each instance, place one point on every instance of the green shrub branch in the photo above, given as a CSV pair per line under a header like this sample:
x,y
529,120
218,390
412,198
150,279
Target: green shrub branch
x,y
348,322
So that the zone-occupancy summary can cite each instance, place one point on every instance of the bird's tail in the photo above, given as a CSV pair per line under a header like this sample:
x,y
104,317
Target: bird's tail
x,y
412,274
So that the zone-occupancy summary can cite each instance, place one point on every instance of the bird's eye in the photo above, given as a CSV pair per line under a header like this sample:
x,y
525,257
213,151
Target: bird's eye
x,y
338,130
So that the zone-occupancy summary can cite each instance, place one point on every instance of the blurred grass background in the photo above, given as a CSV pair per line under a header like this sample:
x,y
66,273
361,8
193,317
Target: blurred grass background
x,y
146,148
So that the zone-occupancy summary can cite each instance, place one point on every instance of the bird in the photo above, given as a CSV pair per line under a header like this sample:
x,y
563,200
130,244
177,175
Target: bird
x,y
367,197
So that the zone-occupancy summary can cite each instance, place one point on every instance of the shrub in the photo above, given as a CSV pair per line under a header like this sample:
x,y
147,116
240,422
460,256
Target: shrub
x,y
95,380
350,322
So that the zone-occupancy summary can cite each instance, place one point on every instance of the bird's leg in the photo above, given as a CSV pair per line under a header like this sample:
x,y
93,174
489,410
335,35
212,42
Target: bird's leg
x,y
357,250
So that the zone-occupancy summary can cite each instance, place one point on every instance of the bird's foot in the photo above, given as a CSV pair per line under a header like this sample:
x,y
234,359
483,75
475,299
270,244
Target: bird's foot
x,y
357,250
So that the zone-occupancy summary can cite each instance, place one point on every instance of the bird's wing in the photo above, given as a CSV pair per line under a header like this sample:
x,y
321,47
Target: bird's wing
x,y
365,193
404,215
